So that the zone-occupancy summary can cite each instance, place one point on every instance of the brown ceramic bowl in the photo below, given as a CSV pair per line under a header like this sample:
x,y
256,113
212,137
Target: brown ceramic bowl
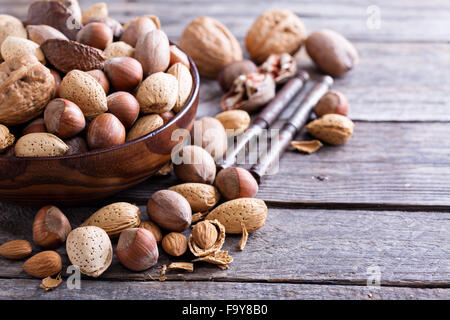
x,y
82,178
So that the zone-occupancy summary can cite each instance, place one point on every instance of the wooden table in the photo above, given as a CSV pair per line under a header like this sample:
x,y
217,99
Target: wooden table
x,y
381,202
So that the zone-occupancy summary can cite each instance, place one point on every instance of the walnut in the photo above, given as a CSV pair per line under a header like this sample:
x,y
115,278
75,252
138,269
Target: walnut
x,y
211,45
275,32
26,86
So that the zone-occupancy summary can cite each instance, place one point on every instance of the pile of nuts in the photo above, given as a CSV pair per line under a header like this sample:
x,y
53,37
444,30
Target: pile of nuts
x,y
171,212
73,81
272,41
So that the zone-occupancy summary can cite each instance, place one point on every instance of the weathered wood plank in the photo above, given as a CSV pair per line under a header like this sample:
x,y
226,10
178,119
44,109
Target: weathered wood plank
x,y
411,20
395,164
12,289
306,246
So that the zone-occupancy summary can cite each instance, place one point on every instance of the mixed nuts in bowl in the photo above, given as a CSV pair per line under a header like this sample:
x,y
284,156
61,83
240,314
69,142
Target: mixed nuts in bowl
x,y
86,114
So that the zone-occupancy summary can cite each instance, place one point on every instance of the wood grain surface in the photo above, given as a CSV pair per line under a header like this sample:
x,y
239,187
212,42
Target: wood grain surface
x,y
382,200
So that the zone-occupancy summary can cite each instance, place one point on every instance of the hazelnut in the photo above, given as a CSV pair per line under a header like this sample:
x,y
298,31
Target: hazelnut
x,y
332,102
76,145
124,106
169,210
63,118
101,78
178,56
167,116
37,125
57,78
125,73
105,131
137,249
85,91
113,24
136,28
153,52
50,227
234,183
175,244
234,70
205,234
95,34
153,228
195,165
210,134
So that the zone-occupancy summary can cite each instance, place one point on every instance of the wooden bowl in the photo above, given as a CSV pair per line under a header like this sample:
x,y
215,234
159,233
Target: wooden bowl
x,y
83,178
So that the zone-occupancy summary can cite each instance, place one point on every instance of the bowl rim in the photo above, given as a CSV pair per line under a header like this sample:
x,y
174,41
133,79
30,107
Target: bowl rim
x,y
189,103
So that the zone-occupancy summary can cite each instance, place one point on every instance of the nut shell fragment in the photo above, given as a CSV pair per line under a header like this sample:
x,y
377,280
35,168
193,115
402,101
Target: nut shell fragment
x,y
200,252
244,238
221,258
331,128
184,266
307,146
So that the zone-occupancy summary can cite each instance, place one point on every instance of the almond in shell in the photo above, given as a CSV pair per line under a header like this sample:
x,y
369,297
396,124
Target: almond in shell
x,y
16,46
115,218
98,10
250,211
185,83
118,49
331,128
144,126
158,93
235,122
201,197
85,91
67,55
89,248
11,26
40,144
